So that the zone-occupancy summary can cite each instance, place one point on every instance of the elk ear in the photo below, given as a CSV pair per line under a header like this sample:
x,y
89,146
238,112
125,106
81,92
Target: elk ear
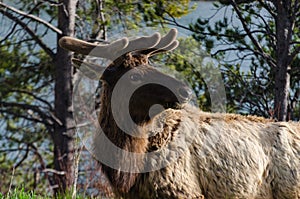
x,y
91,70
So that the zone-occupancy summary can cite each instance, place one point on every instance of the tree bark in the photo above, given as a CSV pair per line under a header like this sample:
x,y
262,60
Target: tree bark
x,y
282,87
284,29
64,131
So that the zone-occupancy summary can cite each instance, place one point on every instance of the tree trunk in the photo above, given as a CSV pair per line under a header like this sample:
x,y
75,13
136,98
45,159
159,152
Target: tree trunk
x,y
64,132
282,77
282,87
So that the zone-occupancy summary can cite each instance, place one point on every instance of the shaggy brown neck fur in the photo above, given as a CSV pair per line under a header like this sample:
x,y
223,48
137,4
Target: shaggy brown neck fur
x,y
121,181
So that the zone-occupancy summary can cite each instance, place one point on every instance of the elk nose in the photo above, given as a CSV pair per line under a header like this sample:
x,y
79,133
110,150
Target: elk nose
x,y
185,93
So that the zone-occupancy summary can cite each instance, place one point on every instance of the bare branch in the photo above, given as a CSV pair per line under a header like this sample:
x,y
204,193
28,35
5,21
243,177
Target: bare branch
x,y
33,95
45,119
29,31
294,11
10,32
267,7
229,49
23,116
294,53
23,159
174,22
54,171
99,29
12,150
267,26
52,3
250,35
41,160
35,18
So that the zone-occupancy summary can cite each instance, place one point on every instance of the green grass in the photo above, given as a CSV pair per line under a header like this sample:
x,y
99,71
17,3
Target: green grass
x,y
22,194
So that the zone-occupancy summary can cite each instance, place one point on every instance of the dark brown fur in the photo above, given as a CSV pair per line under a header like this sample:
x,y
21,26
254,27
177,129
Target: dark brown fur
x,y
140,103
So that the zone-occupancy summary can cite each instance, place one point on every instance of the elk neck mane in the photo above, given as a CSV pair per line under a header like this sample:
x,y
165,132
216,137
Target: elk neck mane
x,y
122,181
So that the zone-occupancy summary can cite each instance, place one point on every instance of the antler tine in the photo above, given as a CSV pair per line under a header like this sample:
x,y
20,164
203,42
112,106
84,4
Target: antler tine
x,y
86,48
167,43
167,40
140,43
170,47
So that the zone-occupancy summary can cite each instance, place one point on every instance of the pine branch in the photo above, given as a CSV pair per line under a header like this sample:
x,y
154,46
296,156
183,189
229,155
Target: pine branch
x,y
250,35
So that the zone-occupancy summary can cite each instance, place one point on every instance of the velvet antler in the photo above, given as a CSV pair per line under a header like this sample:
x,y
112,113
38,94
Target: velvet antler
x,y
146,45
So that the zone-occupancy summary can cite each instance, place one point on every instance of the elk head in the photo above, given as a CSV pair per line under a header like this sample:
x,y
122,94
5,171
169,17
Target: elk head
x,y
130,81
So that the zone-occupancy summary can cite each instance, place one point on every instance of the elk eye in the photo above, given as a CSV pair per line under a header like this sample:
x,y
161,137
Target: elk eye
x,y
135,77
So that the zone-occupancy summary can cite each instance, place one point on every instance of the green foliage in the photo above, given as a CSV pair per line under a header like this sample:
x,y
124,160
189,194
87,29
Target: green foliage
x,y
25,80
248,74
128,15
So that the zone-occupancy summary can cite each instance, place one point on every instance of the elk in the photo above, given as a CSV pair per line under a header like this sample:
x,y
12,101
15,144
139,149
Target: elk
x,y
203,155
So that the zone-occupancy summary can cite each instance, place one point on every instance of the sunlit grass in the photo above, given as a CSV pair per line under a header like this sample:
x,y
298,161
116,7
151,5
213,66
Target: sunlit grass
x,y
22,194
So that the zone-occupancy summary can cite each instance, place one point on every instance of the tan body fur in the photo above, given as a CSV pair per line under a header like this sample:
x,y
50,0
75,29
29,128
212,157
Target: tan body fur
x,y
229,156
